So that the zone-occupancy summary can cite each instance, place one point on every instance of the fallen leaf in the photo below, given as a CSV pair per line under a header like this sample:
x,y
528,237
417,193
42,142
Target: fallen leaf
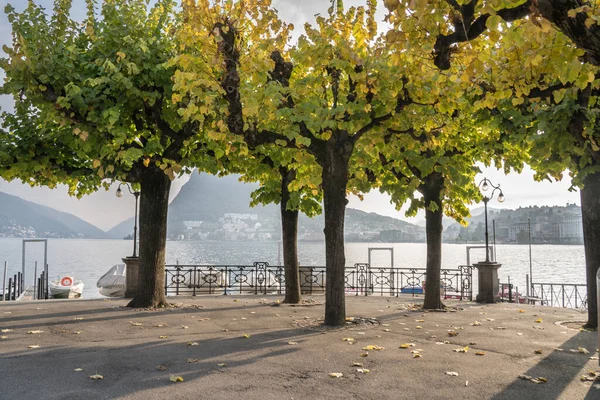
x,y
336,374
418,327
192,343
137,324
373,347
96,377
176,378
222,365
451,373
78,369
520,334
480,353
362,370
406,345
33,346
364,354
583,350
161,368
163,337
521,311
291,343
34,332
192,360
387,330
538,351
357,364
78,318
416,355
591,358
539,320
184,326
419,320
476,323
247,336
348,339
243,318
3,337
77,332
490,319
5,330
452,333
224,330
462,350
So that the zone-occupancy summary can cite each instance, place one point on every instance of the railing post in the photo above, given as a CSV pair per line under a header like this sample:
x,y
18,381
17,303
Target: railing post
x,y
195,282
10,284
4,281
527,285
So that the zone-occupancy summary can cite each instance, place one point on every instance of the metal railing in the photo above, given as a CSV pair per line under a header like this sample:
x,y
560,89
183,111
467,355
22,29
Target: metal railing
x,y
566,295
261,278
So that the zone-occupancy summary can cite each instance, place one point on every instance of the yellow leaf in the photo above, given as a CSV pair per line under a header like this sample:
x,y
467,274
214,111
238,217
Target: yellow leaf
x,y
362,370
96,163
521,311
416,355
33,346
357,364
34,332
418,327
163,337
176,378
5,330
222,365
348,339
336,374
480,353
406,345
517,101
572,13
476,323
539,320
246,336
146,162
292,343
364,354
96,377
373,347
78,370
589,22
77,332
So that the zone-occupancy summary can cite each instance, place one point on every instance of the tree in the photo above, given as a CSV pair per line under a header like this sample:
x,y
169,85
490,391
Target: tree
x,y
94,105
341,90
552,64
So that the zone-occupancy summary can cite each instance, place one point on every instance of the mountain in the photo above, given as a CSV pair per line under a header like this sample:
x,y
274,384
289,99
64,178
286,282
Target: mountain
x,y
209,207
23,218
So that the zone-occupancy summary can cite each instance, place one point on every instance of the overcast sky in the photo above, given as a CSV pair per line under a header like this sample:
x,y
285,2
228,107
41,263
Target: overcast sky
x,y
105,210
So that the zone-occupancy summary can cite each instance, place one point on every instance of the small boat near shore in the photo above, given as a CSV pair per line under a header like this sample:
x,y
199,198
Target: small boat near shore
x,y
113,283
65,287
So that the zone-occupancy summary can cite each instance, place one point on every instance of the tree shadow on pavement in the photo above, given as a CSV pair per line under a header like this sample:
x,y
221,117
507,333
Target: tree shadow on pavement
x,y
560,368
129,369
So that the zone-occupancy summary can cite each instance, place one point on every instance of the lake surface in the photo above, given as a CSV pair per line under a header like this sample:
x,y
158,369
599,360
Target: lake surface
x,y
88,260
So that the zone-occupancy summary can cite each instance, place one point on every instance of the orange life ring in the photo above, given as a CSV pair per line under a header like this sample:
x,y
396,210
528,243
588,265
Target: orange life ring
x,y
66,281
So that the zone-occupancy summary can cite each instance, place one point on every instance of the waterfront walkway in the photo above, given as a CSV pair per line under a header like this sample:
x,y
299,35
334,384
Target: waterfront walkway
x,y
252,348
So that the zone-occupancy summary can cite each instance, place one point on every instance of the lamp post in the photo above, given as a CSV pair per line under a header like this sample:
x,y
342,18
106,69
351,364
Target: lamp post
x,y
485,185
137,195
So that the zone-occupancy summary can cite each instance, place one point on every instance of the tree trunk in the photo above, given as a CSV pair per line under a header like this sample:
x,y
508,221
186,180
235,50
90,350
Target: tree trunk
x,y
590,213
432,192
335,180
154,206
433,230
289,233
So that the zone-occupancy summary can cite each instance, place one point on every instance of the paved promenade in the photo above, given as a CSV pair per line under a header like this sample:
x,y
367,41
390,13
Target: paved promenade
x,y
246,347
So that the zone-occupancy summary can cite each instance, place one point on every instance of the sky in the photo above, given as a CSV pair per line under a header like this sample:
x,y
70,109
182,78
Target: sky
x,y
105,210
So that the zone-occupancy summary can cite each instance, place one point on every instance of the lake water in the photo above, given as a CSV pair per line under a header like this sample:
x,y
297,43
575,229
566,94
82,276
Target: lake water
x,y
88,260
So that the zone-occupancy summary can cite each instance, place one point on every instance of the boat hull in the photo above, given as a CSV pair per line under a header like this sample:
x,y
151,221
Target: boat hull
x,y
58,291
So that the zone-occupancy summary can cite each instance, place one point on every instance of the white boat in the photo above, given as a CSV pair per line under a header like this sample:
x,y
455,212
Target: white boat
x,y
65,287
113,283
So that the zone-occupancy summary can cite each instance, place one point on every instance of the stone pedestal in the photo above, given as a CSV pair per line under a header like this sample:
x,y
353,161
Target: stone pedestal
x,y
131,280
489,286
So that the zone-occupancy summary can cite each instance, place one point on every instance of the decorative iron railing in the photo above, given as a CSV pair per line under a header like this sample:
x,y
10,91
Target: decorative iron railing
x,y
261,278
566,295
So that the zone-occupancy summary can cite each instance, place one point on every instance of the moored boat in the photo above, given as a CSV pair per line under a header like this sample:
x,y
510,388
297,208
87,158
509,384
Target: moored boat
x,y
65,287
113,283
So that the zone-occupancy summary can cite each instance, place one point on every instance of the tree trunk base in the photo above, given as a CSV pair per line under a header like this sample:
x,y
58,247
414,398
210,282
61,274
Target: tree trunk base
x,y
137,304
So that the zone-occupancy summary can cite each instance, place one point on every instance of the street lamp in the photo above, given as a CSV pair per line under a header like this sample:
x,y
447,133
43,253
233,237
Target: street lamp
x,y
119,193
485,185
